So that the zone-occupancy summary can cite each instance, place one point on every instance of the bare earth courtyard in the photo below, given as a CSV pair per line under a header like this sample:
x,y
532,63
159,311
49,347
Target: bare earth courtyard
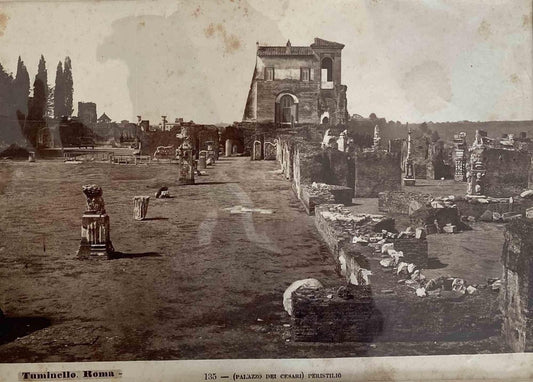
x,y
193,280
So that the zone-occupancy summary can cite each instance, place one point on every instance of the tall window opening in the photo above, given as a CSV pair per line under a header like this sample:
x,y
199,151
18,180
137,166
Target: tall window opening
x,y
327,69
269,74
305,74
286,109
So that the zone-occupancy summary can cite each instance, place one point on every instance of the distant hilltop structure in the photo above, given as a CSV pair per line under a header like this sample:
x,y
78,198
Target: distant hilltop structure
x,y
297,84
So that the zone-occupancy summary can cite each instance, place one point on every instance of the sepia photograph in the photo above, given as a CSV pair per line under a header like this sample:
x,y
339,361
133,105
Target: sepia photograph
x,y
264,180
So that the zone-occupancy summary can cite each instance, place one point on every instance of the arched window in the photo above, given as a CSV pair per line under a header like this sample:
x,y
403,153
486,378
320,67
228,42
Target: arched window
x,y
327,69
286,109
286,104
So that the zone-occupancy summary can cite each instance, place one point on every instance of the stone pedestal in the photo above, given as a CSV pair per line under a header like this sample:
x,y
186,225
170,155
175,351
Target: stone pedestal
x,y
409,178
202,160
140,207
202,163
186,167
409,182
31,157
95,231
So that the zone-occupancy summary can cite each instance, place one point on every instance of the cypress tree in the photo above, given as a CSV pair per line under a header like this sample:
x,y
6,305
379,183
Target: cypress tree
x,y
68,87
59,92
21,89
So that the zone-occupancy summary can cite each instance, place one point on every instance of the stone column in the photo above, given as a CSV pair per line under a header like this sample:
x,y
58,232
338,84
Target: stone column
x,y
516,292
31,157
229,146
409,178
140,207
95,232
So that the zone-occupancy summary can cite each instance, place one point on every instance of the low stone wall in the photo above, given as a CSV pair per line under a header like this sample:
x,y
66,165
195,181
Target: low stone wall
x,y
322,316
338,226
507,171
407,203
316,194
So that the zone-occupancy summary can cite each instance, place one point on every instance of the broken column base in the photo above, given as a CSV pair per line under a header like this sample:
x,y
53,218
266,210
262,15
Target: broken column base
x,y
95,241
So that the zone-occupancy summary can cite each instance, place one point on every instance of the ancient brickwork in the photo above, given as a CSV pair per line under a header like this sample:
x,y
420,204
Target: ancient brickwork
x,y
323,316
516,294
506,171
375,172
306,92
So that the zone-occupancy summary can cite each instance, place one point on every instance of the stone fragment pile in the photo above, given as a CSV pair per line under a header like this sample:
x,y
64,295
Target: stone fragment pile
x,y
411,275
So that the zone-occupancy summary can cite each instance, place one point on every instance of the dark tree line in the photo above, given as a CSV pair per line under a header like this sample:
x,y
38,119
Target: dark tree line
x,y
21,113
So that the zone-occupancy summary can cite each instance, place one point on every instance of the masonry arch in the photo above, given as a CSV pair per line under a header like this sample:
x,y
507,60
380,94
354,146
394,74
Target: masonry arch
x,y
324,118
286,108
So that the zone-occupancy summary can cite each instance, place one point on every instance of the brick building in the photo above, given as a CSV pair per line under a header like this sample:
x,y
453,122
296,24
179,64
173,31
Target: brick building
x,y
297,84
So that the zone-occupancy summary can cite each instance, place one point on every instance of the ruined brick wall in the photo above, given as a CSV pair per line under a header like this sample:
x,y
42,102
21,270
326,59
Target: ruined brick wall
x,y
332,235
376,172
507,171
308,164
306,92
373,316
516,294
338,168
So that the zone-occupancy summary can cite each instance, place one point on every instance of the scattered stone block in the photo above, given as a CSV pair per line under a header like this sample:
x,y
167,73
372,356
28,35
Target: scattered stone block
x,y
487,216
529,213
160,191
507,216
527,194
449,228
496,216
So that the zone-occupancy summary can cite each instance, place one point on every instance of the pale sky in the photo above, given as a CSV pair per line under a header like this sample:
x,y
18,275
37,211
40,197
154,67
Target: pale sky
x,y
407,60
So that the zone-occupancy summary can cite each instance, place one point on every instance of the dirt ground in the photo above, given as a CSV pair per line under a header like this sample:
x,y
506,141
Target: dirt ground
x,y
194,280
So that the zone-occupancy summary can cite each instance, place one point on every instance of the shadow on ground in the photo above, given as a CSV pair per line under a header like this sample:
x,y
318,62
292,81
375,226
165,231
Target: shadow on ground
x,y
435,263
122,255
12,328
